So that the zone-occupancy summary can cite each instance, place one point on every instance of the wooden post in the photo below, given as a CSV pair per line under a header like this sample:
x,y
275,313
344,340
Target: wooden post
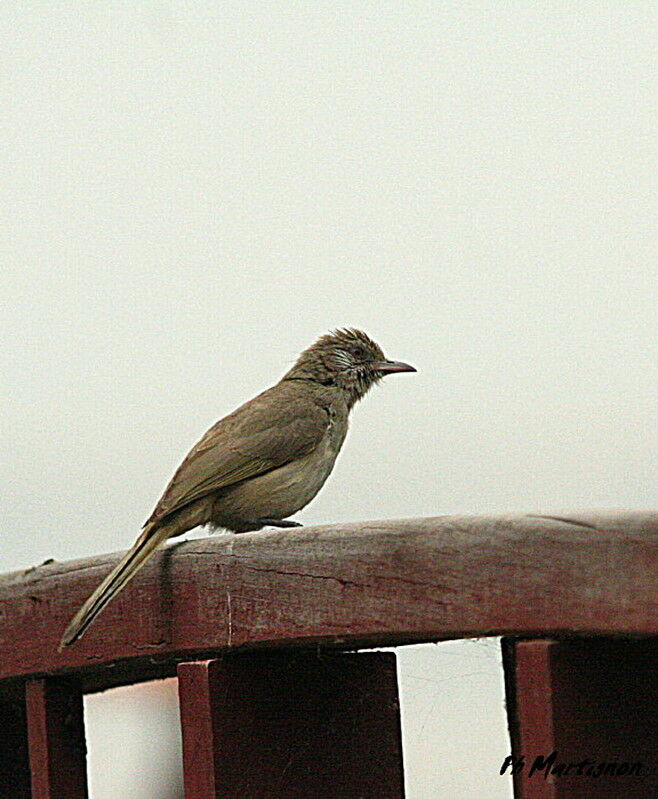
x,y
14,764
592,702
56,736
292,726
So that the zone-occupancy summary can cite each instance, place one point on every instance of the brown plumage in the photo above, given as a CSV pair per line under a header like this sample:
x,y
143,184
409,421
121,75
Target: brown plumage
x,y
261,463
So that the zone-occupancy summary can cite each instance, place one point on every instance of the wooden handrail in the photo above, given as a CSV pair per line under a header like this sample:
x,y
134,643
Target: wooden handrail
x,y
344,585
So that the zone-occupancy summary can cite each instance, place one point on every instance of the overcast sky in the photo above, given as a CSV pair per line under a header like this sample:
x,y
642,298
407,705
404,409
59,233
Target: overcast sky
x,y
192,192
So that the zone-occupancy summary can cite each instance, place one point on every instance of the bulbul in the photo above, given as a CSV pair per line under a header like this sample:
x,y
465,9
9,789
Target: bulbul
x,y
263,462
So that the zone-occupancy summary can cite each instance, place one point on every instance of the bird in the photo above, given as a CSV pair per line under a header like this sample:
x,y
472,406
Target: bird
x,y
263,462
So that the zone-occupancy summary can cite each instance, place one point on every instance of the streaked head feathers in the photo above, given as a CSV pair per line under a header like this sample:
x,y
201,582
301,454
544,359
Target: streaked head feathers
x,y
347,358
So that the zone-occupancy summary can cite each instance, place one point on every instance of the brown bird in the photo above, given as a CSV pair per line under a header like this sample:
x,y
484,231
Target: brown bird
x,y
261,463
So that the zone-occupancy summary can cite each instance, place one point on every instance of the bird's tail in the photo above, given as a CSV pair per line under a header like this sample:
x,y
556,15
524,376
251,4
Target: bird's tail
x,y
132,561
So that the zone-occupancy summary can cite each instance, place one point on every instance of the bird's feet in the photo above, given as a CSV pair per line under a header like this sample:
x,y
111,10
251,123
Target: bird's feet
x,y
279,523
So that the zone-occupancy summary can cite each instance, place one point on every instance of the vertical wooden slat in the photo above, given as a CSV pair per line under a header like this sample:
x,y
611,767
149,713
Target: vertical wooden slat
x,y
529,691
292,726
14,763
56,739
592,702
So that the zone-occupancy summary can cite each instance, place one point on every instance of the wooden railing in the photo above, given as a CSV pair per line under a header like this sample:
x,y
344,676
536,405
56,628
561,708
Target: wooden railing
x,y
262,629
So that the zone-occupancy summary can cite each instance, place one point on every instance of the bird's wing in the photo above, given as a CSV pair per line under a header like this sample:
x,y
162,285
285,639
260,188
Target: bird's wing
x,y
269,431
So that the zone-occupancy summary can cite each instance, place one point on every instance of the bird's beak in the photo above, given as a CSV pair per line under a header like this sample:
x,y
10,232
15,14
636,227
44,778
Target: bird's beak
x,y
389,367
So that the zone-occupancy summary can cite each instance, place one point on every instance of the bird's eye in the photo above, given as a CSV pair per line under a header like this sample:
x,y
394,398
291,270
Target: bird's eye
x,y
359,352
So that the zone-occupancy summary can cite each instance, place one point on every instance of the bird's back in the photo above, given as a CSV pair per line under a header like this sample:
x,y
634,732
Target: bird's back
x,y
293,422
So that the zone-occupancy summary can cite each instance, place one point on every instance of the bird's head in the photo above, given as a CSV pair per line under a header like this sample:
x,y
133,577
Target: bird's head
x,y
348,359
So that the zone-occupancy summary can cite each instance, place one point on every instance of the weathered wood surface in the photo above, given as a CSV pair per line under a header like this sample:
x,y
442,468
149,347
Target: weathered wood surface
x,y
292,726
56,737
344,585
592,702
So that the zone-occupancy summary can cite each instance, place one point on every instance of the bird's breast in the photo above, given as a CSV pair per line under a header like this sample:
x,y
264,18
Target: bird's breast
x,y
284,491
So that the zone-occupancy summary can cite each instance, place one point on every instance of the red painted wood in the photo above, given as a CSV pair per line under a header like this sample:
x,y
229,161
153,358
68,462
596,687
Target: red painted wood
x,y
591,702
348,585
528,679
292,726
58,755
14,764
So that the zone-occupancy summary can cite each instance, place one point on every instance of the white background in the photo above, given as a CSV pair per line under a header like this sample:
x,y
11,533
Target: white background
x,y
192,192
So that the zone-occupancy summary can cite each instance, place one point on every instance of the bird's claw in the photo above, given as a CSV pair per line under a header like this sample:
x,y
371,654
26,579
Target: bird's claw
x,y
280,523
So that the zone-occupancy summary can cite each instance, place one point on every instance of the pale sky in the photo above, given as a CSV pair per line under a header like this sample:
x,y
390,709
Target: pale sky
x,y
192,192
